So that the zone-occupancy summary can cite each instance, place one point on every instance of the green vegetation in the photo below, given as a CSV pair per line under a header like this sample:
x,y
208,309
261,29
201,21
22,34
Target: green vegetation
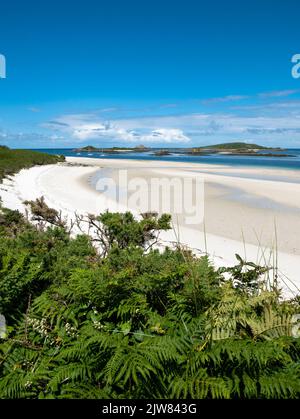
x,y
90,148
11,161
133,322
236,146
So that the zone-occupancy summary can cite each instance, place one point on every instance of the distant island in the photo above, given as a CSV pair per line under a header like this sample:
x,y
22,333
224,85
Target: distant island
x,y
239,146
230,149
238,149
160,153
92,149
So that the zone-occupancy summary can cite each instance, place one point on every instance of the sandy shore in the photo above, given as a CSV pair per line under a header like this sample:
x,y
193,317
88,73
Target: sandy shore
x,y
250,211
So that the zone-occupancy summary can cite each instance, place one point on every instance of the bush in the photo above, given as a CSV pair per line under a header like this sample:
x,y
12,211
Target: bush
x,y
136,322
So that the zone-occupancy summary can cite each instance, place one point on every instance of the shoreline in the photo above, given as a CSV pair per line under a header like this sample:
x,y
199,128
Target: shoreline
x,y
67,188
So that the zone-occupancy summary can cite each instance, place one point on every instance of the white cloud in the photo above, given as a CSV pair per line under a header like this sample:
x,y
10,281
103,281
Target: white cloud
x,y
279,93
229,98
167,135
162,135
263,95
279,126
87,127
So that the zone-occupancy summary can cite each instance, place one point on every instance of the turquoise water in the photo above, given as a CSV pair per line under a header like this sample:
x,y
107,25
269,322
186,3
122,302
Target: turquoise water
x,y
292,163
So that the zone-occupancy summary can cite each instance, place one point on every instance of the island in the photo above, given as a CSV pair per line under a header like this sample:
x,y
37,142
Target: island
x,y
230,149
160,153
238,149
111,150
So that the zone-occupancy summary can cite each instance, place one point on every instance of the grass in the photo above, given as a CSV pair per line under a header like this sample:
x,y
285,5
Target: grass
x,y
12,161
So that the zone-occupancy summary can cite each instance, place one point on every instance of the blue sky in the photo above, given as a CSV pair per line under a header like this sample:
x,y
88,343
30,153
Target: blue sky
x,y
161,73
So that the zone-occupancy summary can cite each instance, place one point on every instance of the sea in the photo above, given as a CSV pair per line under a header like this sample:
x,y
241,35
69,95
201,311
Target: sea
x,y
177,155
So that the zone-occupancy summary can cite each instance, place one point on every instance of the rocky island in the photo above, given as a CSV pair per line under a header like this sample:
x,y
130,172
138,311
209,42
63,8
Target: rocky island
x,y
160,153
238,149
111,150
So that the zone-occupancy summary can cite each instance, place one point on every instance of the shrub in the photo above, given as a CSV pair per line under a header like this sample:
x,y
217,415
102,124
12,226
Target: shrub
x,y
136,322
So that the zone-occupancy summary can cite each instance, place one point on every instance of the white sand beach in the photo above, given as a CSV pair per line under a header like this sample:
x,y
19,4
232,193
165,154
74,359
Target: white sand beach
x,y
254,212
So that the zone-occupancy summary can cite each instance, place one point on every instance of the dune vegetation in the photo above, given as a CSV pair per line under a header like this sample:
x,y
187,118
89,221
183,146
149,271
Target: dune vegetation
x,y
11,161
